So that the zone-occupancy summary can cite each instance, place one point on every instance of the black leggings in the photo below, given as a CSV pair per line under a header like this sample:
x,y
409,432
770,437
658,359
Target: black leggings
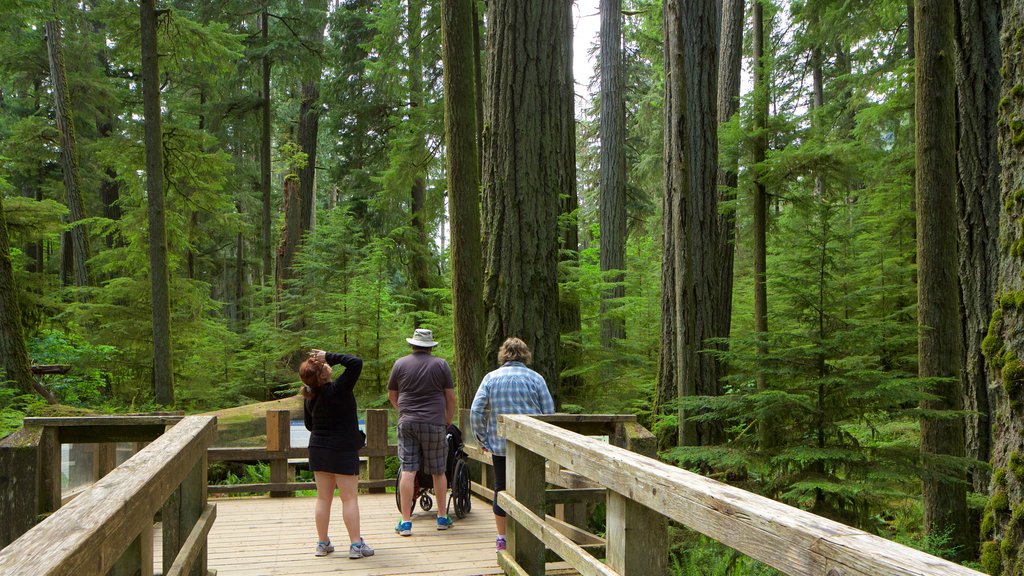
x,y
499,482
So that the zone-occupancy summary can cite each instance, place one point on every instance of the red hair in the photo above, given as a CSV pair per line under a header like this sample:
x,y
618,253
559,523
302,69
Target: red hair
x,y
311,373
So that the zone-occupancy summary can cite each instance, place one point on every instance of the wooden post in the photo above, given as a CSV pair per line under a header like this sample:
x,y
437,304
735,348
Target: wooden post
x,y
278,439
19,483
526,484
376,443
637,538
49,485
104,459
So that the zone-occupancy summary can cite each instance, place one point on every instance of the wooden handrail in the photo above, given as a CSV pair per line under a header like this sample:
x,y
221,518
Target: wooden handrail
x,y
90,533
791,540
278,451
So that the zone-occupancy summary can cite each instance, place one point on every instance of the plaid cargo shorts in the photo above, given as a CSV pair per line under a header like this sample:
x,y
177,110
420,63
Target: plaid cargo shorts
x,y
422,446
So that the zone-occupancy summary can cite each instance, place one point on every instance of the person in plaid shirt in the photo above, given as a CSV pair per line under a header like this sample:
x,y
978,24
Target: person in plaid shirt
x,y
511,389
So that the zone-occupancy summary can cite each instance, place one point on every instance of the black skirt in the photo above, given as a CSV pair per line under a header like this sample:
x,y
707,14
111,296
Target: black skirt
x,y
333,460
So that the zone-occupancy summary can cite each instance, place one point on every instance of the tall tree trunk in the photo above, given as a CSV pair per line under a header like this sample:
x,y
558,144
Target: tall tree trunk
x,y
266,212
692,198
16,363
478,50
613,169
977,81
418,248
163,373
529,164
760,223
300,186
945,501
463,174
730,66
1003,553
79,243
667,388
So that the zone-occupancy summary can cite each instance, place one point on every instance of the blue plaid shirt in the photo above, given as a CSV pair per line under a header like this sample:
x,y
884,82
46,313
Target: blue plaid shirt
x,y
511,389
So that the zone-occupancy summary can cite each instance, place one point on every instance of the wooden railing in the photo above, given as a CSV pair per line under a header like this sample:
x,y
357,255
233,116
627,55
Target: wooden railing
x,y
278,451
643,493
108,527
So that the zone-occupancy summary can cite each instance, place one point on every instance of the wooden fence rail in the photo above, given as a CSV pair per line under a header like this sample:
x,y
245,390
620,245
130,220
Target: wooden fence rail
x,y
278,451
108,528
643,492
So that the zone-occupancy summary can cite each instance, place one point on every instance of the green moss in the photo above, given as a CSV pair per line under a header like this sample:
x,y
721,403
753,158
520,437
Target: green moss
x,y
999,502
1017,466
988,523
999,477
991,560
1013,375
1006,547
1017,91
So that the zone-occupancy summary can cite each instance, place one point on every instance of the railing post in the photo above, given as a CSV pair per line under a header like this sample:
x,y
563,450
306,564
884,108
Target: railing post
x,y
376,443
180,514
526,484
279,439
634,532
21,498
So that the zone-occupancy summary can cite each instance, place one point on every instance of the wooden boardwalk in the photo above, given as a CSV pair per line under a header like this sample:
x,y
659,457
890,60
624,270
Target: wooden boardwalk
x,y
274,537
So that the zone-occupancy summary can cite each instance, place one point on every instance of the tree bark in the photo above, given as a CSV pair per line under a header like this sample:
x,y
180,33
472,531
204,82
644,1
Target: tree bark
x,y
16,363
692,206
266,250
163,373
668,378
613,169
760,212
977,80
529,165
730,66
1004,345
300,186
945,502
79,243
463,175
418,247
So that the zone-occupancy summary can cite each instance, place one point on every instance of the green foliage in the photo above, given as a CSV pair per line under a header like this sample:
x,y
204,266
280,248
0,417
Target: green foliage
x,y
692,554
90,380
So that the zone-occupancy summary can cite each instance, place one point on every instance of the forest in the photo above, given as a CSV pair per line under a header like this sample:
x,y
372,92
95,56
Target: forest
x,y
786,234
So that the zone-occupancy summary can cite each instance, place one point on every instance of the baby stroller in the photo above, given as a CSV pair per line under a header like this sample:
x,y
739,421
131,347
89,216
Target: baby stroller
x,y
456,472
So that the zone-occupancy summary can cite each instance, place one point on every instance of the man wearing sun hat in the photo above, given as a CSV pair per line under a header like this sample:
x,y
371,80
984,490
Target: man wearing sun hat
x,y
421,389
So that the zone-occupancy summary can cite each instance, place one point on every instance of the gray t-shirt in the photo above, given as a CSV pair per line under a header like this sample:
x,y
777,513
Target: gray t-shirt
x,y
421,379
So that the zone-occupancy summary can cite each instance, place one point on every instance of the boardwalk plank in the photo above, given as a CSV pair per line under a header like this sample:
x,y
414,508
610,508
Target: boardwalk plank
x,y
276,537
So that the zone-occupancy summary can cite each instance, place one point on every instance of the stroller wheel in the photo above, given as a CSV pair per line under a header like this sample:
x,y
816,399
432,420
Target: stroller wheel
x,y
426,502
460,489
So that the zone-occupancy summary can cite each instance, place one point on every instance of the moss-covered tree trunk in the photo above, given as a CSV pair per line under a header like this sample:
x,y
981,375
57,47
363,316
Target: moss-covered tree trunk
x,y
944,498
464,194
1002,530
163,373
529,165
12,341
977,81
78,244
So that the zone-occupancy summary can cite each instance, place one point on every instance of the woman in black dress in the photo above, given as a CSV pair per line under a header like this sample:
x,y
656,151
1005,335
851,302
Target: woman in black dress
x,y
334,443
